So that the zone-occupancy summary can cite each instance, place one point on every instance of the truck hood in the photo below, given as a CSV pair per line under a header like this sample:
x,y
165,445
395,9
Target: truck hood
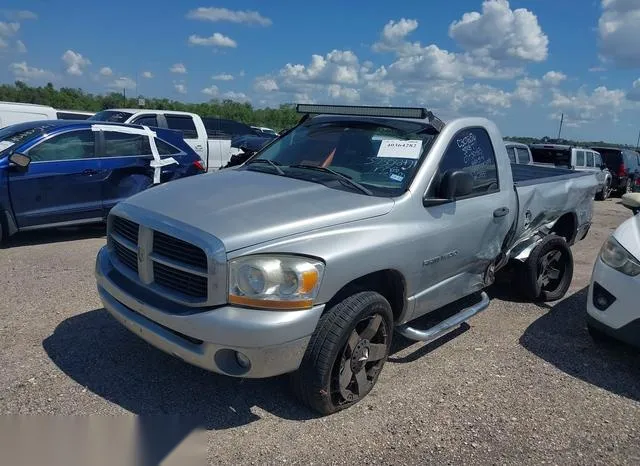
x,y
243,208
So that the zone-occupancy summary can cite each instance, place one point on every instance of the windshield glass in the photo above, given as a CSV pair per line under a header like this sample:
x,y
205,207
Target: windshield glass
x,y
15,135
111,115
379,154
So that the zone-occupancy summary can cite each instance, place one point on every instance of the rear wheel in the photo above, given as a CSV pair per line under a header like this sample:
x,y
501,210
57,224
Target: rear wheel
x,y
546,275
346,353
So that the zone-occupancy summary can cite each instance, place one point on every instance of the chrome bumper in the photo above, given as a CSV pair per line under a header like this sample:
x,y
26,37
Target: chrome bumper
x,y
273,341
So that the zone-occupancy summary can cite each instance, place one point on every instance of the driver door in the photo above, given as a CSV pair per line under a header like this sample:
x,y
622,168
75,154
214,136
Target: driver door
x,y
463,237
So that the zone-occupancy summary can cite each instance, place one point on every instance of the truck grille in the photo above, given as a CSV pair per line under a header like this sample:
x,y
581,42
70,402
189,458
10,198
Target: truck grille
x,y
176,265
176,249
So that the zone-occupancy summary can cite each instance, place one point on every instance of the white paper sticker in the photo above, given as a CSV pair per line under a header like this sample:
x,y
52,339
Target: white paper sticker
x,y
401,149
395,177
5,145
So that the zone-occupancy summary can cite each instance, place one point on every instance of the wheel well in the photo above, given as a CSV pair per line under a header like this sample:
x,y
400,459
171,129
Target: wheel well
x,y
566,226
389,283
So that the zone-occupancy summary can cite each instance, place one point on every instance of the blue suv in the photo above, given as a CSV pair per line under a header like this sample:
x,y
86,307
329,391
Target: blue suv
x,y
60,172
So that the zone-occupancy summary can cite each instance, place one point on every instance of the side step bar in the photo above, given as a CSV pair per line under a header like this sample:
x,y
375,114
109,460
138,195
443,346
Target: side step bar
x,y
446,325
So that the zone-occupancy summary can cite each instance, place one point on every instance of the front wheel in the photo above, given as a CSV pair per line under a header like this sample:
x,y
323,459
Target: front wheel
x,y
548,271
346,353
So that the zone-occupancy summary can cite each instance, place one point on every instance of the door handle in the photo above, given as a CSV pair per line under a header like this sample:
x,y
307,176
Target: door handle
x,y
501,212
89,171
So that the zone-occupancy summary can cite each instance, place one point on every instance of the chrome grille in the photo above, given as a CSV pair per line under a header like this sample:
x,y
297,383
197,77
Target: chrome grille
x,y
178,250
171,263
181,281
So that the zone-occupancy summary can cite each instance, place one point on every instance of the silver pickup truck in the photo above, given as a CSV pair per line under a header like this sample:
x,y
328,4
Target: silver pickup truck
x,y
347,228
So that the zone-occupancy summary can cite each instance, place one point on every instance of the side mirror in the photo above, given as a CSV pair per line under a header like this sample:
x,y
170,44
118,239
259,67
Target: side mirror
x,y
453,185
20,160
632,201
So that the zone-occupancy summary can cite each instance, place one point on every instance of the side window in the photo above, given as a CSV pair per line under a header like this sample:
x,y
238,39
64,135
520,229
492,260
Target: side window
x,y
73,145
523,155
597,160
184,124
123,144
511,152
589,159
471,151
580,158
146,120
166,149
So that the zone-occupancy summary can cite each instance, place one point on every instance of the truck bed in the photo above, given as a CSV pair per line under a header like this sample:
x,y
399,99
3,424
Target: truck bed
x,y
526,175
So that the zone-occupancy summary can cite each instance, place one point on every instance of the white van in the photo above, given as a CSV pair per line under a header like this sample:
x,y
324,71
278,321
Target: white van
x,y
15,112
18,112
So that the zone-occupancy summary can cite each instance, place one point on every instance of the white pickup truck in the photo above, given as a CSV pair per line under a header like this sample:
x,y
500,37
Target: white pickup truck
x,y
210,138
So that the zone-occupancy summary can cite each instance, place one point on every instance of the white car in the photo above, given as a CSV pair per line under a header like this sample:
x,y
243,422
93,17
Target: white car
x,y
614,292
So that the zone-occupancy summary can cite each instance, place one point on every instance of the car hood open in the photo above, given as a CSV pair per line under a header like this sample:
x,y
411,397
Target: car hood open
x,y
243,208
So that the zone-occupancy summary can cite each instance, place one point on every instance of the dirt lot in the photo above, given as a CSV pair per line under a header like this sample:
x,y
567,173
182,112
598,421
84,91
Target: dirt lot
x,y
520,384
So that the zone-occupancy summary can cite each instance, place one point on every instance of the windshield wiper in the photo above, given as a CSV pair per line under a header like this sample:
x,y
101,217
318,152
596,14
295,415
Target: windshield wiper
x,y
340,176
269,162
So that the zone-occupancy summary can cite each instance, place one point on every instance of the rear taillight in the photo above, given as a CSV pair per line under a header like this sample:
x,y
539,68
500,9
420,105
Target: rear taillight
x,y
198,165
621,170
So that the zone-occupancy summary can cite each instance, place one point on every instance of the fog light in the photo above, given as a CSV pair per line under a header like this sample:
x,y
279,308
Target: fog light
x,y
243,360
602,299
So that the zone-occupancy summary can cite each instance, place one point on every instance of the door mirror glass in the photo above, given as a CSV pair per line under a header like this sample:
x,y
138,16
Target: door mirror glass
x,y
20,160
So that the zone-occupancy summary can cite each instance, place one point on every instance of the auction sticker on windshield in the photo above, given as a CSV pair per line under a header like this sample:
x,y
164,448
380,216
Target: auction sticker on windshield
x,y
397,148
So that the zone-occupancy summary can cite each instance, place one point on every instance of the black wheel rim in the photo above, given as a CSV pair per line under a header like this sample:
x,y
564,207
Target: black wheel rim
x,y
359,363
551,270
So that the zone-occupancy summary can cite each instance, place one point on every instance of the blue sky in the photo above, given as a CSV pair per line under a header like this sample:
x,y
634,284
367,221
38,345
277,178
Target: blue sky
x,y
521,63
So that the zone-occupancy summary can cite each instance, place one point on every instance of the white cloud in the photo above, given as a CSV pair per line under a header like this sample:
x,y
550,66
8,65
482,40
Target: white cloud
x,y
19,15
20,47
528,90
147,74
180,88
241,74
394,32
236,96
265,85
346,94
554,77
211,90
597,69
634,93
500,32
178,68
106,71
8,29
75,62
123,82
619,32
222,77
216,40
583,107
3,43
27,73
224,14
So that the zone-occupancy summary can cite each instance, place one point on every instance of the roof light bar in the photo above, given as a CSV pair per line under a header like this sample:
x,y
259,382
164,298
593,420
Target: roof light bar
x,y
357,110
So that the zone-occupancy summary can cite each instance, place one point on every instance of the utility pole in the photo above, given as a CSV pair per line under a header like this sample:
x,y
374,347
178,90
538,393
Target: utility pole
x,y
560,129
638,143
124,94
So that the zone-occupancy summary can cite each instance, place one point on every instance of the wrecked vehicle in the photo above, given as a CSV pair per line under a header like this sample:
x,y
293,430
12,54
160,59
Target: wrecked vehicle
x,y
348,227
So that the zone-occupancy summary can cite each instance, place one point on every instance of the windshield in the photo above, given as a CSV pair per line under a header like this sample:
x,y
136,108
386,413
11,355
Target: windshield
x,y
381,155
111,115
15,135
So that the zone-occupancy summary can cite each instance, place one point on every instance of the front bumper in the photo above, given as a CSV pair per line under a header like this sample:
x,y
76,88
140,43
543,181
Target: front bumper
x,y
273,341
621,316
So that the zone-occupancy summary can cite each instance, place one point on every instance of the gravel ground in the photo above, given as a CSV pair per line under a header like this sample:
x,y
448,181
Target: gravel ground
x,y
520,384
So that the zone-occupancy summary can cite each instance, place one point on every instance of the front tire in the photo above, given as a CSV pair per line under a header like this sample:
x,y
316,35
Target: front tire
x,y
346,353
548,271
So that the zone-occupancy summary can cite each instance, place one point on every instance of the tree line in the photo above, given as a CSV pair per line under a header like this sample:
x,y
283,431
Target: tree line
x,y
67,98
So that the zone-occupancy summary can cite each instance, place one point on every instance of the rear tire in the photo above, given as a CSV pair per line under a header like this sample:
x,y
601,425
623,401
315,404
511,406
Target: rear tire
x,y
346,353
548,271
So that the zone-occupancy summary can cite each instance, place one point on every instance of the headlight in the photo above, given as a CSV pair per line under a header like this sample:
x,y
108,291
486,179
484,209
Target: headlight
x,y
617,257
274,281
